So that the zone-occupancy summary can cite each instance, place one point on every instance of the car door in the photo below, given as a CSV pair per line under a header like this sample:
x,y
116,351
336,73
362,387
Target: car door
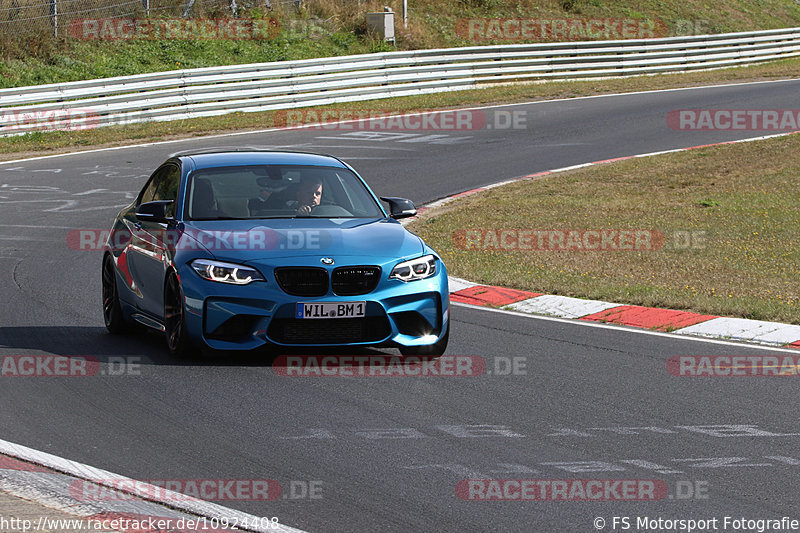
x,y
150,257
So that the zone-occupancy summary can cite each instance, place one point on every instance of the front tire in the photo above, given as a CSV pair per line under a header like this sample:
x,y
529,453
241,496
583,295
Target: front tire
x,y
175,319
431,350
112,310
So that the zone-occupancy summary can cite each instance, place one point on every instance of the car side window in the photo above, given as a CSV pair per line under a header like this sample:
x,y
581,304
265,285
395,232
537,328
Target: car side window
x,y
168,187
152,186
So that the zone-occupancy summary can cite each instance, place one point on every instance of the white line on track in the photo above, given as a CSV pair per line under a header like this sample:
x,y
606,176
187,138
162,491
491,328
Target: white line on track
x,y
142,490
628,329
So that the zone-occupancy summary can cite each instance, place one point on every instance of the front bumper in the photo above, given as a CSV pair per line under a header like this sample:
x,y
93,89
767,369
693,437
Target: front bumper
x,y
230,317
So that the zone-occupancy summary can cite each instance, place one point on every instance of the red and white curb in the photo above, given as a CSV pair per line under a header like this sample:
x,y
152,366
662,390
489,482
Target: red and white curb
x,y
667,320
47,479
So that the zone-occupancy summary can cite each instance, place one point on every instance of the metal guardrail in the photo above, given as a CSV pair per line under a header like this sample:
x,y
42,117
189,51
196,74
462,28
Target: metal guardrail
x,y
214,91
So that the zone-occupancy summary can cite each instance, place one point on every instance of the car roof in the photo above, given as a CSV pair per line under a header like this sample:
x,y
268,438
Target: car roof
x,y
226,158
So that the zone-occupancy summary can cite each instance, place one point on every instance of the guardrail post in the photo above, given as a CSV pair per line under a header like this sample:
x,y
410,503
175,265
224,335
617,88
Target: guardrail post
x,y
54,16
188,8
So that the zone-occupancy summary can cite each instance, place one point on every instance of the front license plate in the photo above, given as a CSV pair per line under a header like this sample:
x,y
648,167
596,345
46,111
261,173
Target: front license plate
x,y
330,310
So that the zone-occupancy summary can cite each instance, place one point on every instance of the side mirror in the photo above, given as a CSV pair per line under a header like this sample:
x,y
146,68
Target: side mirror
x,y
400,207
154,211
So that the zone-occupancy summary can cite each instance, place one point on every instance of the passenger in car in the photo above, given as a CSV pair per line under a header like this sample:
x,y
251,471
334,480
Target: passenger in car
x,y
268,197
204,204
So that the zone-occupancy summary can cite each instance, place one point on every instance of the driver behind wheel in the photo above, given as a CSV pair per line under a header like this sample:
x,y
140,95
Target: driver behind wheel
x,y
308,196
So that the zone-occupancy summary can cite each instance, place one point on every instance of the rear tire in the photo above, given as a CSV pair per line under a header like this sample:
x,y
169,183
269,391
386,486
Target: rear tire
x,y
112,310
175,319
431,350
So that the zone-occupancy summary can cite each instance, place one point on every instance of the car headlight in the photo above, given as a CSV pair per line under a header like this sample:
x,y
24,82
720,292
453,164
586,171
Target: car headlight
x,y
419,268
226,272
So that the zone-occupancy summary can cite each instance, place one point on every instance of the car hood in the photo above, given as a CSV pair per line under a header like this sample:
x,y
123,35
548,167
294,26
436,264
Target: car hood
x,y
265,239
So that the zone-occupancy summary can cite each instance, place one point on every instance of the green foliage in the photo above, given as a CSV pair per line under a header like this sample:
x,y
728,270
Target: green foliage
x,y
570,6
708,203
338,27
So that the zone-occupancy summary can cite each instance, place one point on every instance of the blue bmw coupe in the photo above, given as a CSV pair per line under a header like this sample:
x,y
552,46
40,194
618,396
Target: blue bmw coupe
x,y
235,250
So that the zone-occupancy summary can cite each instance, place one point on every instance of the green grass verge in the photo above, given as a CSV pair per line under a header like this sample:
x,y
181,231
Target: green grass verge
x,y
741,199
30,55
90,59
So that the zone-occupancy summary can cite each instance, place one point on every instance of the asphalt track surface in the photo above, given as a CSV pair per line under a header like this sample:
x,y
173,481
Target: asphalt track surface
x,y
389,452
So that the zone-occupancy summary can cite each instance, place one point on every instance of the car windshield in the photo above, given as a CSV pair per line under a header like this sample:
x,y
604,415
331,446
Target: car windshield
x,y
278,191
